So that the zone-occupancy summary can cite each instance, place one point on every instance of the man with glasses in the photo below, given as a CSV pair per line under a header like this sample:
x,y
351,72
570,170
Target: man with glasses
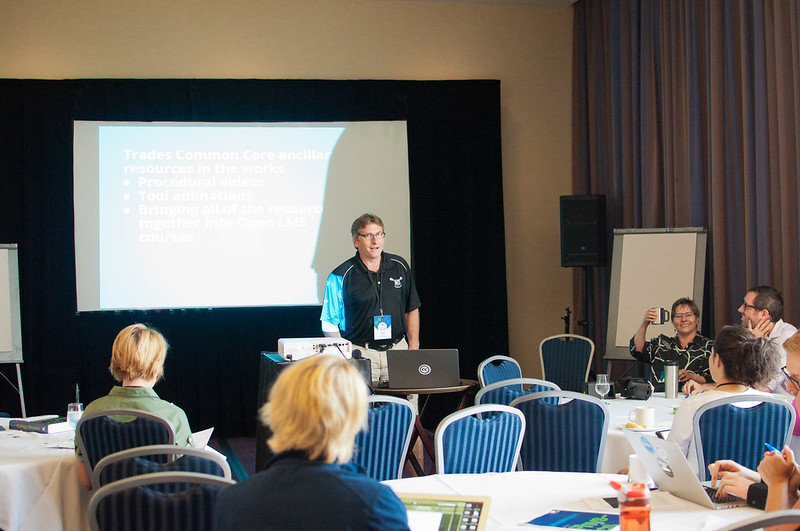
x,y
762,313
371,298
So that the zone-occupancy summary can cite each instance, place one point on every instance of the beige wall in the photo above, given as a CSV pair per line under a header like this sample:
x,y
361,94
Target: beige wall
x,y
529,48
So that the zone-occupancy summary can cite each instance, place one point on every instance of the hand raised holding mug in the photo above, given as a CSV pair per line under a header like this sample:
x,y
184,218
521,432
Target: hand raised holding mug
x,y
656,316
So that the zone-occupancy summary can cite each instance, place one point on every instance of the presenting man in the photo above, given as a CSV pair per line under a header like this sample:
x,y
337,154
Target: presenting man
x,y
762,314
371,299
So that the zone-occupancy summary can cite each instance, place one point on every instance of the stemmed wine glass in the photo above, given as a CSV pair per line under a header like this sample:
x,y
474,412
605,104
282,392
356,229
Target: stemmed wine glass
x,y
601,386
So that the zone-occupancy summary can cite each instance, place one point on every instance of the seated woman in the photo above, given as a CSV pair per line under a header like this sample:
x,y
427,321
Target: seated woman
x,y
137,361
738,363
315,409
687,347
735,479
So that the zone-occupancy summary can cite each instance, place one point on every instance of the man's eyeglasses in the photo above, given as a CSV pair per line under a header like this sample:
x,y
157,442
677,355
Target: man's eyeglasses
x,y
790,377
746,306
373,236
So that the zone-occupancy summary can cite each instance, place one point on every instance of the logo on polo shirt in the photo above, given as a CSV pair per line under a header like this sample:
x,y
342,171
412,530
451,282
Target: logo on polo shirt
x,y
398,282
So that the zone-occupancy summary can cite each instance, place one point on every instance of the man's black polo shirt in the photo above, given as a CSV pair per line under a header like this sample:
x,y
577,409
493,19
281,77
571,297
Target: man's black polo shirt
x,y
354,295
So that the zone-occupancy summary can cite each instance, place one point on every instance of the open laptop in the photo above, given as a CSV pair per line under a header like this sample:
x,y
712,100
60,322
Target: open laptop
x,y
439,512
423,368
666,464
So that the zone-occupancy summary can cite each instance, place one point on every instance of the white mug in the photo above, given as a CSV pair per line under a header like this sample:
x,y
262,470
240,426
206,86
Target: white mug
x,y
644,416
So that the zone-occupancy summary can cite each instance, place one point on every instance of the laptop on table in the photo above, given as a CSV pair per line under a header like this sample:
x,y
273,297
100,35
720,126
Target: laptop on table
x,y
666,464
423,368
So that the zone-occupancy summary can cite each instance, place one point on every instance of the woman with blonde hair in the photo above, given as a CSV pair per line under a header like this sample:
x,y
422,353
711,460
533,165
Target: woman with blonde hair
x,y
315,409
137,362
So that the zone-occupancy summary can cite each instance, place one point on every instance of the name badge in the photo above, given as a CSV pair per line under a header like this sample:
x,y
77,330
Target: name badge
x,y
382,327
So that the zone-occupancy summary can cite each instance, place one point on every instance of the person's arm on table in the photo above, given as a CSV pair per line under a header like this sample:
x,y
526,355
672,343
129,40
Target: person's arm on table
x,y
686,375
412,329
779,472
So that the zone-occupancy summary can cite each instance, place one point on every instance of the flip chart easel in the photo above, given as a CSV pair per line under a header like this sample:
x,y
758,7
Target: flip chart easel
x,y
10,323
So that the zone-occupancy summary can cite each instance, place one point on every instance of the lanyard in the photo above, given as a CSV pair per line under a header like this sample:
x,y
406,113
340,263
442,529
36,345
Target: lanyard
x,y
377,286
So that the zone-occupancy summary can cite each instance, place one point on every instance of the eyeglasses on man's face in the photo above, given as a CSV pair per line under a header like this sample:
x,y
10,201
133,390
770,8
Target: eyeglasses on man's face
x,y
373,236
790,377
746,306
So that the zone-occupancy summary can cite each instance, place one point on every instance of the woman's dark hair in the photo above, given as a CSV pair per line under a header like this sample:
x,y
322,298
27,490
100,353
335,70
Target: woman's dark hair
x,y
747,359
686,301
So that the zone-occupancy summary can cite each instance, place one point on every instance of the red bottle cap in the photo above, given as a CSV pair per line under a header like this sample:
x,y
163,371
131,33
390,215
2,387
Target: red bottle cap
x,y
638,490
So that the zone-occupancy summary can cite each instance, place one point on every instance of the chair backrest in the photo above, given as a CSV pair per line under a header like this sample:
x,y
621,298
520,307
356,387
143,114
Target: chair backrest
x,y
471,442
788,516
567,436
113,430
135,462
725,431
381,449
133,504
505,391
566,359
497,368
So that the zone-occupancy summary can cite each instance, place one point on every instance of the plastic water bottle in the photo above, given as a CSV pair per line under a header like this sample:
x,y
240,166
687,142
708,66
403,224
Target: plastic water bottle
x,y
634,508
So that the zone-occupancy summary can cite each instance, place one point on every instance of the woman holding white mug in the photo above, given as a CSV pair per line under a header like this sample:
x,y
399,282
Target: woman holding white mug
x,y
690,349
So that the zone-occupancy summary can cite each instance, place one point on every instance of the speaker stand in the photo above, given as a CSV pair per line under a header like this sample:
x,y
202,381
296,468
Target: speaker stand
x,y
586,323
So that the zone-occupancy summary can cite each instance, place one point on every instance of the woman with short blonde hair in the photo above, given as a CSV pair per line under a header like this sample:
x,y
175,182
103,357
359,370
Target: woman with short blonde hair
x,y
137,363
315,409
138,352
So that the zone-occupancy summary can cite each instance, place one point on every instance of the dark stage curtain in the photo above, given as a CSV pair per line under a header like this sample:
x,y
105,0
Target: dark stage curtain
x,y
212,368
687,113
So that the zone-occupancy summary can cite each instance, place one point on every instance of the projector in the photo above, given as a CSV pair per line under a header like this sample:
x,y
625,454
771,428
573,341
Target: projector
x,y
298,348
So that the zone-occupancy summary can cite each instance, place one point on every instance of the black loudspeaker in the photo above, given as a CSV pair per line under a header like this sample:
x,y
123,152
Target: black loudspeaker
x,y
583,230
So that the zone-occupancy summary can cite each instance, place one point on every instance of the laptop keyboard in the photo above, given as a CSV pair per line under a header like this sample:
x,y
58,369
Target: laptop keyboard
x,y
728,498
471,516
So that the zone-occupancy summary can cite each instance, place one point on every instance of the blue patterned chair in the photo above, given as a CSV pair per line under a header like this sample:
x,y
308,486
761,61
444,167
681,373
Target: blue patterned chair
x,y
505,391
479,439
139,460
141,504
565,431
113,430
381,450
566,359
724,431
497,368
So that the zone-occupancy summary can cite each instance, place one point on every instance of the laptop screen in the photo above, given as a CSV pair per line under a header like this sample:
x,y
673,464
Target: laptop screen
x,y
435,512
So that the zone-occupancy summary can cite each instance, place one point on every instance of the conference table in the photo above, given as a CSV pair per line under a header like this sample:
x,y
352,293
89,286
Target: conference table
x,y
617,450
39,487
518,497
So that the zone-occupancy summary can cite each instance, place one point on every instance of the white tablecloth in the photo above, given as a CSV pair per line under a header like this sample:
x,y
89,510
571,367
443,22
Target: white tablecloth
x,y
617,448
518,497
39,487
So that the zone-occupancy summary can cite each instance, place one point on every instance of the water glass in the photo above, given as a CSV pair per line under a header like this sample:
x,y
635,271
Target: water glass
x,y
601,386
74,413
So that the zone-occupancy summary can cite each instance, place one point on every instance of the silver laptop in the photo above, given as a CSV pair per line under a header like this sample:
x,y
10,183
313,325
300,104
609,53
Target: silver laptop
x,y
423,368
666,464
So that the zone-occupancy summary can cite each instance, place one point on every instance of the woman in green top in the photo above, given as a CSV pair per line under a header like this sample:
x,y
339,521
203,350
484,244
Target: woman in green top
x,y
137,362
